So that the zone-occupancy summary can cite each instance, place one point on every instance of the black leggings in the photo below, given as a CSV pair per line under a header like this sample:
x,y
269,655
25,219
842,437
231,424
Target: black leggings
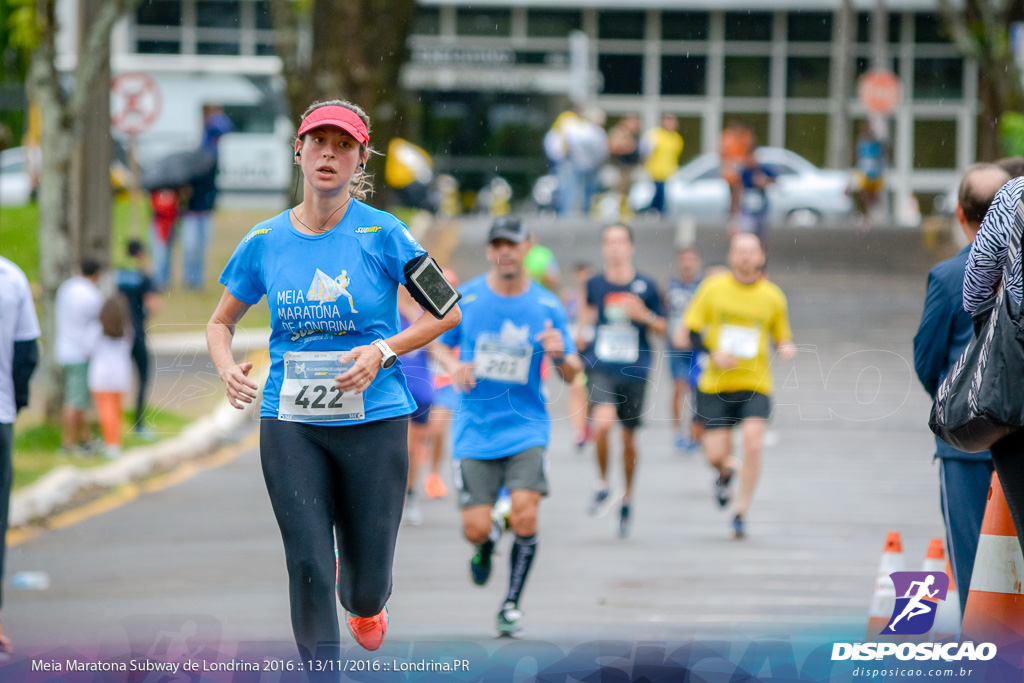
x,y
325,482
1008,458
140,356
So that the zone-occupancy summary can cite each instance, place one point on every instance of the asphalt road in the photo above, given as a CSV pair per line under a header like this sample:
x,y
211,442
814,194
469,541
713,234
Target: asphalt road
x,y
848,459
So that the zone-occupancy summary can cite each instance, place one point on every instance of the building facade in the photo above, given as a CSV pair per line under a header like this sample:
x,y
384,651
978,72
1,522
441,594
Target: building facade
x,y
491,75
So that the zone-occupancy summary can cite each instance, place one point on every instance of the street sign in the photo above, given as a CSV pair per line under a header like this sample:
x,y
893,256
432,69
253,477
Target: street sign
x,y
136,104
879,91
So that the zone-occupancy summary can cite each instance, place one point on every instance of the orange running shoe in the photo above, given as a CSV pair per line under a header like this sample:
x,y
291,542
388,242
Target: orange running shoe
x,y
368,631
434,487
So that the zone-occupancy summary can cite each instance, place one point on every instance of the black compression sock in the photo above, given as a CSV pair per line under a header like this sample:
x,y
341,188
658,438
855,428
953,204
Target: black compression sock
x,y
523,551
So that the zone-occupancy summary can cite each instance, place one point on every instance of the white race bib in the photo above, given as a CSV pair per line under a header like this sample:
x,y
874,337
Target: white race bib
x,y
742,342
501,361
308,392
617,343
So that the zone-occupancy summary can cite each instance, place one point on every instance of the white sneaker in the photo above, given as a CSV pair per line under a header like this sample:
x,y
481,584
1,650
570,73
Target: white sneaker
x,y
412,514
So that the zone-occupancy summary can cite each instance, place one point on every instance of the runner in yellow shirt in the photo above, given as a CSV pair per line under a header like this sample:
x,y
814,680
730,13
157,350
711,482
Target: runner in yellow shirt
x,y
732,317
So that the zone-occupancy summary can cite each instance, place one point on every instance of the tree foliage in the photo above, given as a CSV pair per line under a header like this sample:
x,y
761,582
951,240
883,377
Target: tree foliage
x,y
981,31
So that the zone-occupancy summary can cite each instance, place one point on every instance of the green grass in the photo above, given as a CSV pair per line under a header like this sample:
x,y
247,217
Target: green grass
x,y
35,448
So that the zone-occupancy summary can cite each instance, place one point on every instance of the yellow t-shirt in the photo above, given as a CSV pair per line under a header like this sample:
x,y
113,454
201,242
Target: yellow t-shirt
x,y
740,319
666,147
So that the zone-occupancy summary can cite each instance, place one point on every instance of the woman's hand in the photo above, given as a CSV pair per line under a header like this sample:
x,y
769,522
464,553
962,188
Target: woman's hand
x,y
240,389
366,364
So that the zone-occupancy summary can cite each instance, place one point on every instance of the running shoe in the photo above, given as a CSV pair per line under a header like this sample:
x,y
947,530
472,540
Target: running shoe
x,y
368,631
683,445
145,433
480,564
738,527
722,488
602,499
434,487
412,514
508,619
624,523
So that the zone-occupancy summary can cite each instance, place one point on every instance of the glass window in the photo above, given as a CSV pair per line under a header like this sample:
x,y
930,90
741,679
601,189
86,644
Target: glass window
x,y
266,49
158,13
684,75
623,74
864,27
928,28
206,48
936,79
748,25
158,47
552,23
218,14
804,27
712,173
684,25
483,22
427,21
264,15
747,76
807,135
934,144
807,77
621,25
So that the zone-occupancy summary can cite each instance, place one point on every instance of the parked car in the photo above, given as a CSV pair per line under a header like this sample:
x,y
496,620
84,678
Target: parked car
x,y
15,181
804,195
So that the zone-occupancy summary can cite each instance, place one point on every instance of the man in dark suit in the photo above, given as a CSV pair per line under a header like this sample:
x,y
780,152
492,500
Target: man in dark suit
x,y
944,332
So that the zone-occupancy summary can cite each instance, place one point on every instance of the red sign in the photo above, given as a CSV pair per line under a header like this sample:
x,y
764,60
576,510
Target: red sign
x,y
879,91
136,104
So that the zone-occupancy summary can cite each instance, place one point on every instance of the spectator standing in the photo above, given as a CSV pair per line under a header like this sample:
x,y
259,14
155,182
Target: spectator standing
x,y
660,148
19,330
736,146
624,150
945,330
110,371
556,148
196,223
870,176
77,313
165,205
143,299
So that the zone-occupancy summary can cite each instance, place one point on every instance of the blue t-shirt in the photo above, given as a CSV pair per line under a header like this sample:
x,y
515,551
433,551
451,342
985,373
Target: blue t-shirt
x,y
506,412
329,292
603,295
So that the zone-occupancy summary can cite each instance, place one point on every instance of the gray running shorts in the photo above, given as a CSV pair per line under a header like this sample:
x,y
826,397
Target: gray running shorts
x,y
478,481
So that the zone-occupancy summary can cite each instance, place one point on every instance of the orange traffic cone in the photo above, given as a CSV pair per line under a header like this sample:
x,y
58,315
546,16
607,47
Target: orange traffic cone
x,y
884,599
947,618
995,603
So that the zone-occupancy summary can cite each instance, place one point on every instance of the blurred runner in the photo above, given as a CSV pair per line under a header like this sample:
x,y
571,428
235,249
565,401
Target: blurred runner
x,y
625,308
755,179
442,412
542,267
19,354
510,325
733,317
420,379
683,362
575,300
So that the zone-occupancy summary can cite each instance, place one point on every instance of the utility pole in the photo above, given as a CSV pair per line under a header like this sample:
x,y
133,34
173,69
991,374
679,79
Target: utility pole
x,y
844,31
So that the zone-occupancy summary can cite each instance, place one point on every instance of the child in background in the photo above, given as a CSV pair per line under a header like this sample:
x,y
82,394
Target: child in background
x,y
110,371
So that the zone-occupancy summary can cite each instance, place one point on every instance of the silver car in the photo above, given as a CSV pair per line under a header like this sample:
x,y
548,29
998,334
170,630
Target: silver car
x,y
803,194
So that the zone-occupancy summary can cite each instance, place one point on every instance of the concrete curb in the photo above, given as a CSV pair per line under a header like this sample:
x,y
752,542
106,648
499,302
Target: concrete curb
x,y
204,436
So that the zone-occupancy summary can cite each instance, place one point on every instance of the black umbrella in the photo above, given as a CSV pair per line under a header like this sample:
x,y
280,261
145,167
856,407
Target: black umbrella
x,y
178,169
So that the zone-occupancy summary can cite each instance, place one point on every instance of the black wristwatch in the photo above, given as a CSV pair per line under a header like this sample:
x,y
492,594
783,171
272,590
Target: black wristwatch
x,y
388,357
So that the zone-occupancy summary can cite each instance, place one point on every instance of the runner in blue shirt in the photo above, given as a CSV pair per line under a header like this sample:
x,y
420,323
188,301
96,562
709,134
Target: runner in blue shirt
x,y
334,412
683,362
500,436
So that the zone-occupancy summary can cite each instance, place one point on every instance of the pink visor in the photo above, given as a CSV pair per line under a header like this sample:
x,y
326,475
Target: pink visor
x,y
334,115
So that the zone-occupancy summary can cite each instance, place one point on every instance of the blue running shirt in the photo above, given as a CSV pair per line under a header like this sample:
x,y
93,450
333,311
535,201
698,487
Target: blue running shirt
x,y
329,292
506,412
